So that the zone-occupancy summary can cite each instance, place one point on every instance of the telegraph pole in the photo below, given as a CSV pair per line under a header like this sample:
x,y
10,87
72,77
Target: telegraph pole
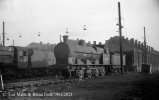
x,y
120,35
60,38
145,58
3,33
13,42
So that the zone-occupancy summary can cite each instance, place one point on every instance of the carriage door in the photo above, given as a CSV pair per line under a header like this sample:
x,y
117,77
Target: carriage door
x,y
29,54
22,59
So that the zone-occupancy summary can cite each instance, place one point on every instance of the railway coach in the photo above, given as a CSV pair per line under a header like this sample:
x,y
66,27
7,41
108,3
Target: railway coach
x,y
7,59
18,62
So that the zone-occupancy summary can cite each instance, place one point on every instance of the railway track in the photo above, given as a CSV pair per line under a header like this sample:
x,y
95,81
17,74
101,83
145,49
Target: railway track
x,y
31,84
24,85
41,82
38,83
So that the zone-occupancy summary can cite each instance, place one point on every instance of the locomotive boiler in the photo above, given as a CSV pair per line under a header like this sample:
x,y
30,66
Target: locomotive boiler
x,y
75,58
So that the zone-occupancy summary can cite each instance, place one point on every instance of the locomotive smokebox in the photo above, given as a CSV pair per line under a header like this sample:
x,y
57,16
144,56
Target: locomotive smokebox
x,y
65,38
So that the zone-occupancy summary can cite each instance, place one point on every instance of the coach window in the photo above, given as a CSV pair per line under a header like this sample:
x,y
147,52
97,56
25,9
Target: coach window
x,y
24,53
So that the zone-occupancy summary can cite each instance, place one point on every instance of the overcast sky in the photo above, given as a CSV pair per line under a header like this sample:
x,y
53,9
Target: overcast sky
x,y
52,17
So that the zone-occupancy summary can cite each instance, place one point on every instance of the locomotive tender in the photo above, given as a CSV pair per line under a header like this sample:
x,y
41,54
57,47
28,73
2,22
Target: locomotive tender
x,y
76,59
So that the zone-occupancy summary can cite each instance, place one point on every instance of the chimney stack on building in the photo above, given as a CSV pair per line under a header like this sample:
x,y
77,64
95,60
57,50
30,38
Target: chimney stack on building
x,y
139,44
152,49
100,43
132,41
94,42
149,49
127,39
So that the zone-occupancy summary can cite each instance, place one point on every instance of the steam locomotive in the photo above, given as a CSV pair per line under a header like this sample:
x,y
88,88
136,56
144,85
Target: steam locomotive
x,y
75,58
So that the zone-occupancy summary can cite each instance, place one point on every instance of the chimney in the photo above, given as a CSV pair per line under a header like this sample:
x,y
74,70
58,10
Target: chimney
x,y
151,49
100,43
136,43
127,39
94,42
106,42
89,43
132,41
65,38
77,39
147,48
139,44
142,46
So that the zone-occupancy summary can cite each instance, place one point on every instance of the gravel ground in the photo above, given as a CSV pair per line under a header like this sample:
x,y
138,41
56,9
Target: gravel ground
x,y
132,86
